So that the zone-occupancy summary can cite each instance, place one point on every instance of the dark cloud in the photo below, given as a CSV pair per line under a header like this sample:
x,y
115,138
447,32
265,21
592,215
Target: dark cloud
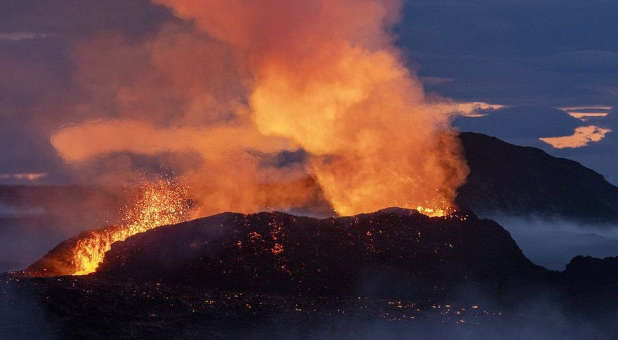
x,y
516,52
36,47
83,17
510,30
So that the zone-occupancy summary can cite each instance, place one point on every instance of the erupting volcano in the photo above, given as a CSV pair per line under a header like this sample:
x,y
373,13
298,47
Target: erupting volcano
x,y
332,88
157,204
309,177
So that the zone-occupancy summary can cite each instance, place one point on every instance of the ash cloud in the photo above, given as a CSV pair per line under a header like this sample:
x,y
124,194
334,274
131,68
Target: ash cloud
x,y
496,51
231,82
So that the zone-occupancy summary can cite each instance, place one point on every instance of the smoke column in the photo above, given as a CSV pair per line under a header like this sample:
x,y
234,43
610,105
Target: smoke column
x,y
243,80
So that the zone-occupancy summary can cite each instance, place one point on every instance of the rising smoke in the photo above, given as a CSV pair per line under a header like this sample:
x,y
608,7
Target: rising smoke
x,y
239,81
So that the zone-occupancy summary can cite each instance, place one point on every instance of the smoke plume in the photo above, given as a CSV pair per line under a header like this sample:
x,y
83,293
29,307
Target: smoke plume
x,y
238,82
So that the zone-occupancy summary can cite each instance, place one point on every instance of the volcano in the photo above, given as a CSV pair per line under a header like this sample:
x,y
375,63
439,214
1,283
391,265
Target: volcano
x,y
282,252
227,274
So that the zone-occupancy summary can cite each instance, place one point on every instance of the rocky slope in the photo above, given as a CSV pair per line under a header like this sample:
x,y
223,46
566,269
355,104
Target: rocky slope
x,y
391,273
390,250
515,180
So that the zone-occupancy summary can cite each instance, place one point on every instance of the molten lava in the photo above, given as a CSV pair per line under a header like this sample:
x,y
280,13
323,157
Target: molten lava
x,y
435,212
159,203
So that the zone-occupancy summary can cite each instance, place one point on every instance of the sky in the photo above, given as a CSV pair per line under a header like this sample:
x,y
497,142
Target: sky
x,y
538,60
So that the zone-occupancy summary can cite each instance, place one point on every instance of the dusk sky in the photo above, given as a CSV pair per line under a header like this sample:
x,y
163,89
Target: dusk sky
x,y
538,60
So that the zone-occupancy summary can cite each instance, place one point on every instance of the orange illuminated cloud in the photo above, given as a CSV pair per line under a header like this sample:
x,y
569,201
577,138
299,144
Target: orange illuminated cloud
x,y
467,109
582,136
87,140
584,116
249,78
584,113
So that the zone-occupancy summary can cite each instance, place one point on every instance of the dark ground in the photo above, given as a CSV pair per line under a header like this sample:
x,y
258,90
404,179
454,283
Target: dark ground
x,y
195,280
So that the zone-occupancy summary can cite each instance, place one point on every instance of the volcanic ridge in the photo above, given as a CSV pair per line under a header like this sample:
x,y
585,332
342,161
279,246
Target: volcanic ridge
x,y
237,272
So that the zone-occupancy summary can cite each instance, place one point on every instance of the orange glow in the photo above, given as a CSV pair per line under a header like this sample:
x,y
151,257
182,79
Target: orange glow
x,y
250,79
580,108
583,136
584,113
159,203
141,137
358,121
437,212
468,109
584,116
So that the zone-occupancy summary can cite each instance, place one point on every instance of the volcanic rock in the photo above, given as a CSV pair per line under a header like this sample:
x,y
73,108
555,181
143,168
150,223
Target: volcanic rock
x,y
515,180
393,250
249,276
592,272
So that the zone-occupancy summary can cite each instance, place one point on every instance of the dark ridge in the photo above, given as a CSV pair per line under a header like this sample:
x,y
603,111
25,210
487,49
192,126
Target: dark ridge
x,y
525,181
230,275
589,272
409,253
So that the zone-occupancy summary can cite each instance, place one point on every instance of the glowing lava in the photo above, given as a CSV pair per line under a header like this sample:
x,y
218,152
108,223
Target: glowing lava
x,y
158,204
435,212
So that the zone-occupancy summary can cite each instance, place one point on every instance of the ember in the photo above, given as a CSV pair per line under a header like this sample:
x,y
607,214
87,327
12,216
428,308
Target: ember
x,y
160,203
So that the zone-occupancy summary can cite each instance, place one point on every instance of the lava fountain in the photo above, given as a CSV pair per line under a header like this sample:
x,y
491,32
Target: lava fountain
x,y
157,204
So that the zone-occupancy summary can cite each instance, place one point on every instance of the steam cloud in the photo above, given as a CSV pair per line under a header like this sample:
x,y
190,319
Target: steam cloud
x,y
238,81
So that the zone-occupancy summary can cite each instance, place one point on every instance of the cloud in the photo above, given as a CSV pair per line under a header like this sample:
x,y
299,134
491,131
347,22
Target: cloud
x,y
498,51
589,143
81,18
569,239
76,144
582,136
473,109
587,113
